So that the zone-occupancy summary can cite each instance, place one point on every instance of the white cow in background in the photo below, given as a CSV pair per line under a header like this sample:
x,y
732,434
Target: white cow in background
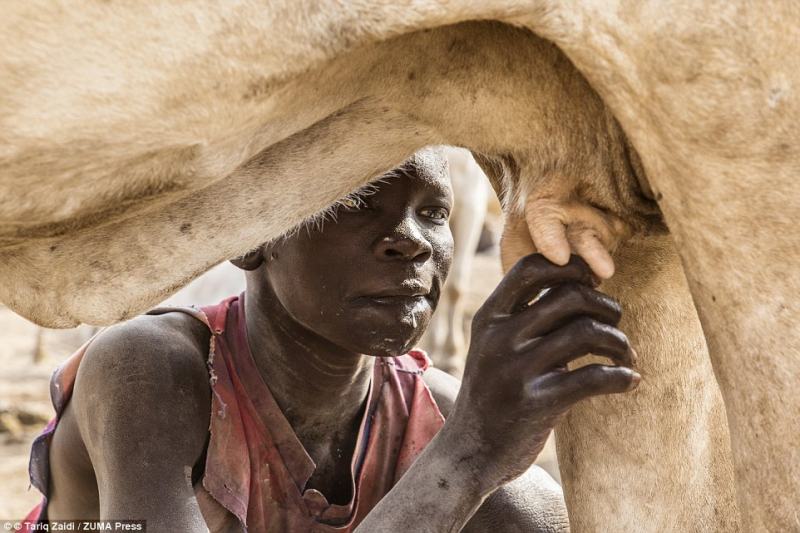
x,y
220,282
445,341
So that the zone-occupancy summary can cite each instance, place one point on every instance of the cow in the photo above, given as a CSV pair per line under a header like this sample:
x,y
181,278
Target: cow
x,y
142,143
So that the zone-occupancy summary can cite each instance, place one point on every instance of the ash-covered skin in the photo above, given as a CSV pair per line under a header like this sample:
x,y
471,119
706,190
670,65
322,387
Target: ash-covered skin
x,y
381,265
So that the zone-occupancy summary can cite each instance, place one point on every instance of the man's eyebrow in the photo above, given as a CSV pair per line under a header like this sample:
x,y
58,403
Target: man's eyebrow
x,y
439,188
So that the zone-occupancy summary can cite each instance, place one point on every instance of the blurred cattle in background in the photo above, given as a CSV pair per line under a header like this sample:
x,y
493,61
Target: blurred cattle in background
x,y
475,207
218,283
44,338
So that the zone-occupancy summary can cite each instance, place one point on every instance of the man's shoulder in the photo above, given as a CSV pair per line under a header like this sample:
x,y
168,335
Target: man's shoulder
x,y
149,344
141,403
443,387
148,365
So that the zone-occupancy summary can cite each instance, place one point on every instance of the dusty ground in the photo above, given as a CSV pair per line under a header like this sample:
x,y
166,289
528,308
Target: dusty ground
x,y
24,390
24,403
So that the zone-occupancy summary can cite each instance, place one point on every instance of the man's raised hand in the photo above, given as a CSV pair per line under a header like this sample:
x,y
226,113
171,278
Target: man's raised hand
x,y
516,384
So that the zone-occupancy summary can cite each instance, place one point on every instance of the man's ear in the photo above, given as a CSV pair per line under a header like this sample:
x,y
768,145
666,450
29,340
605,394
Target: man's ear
x,y
251,260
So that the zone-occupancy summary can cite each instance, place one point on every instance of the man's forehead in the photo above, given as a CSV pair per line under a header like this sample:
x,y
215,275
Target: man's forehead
x,y
431,160
428,167
439,181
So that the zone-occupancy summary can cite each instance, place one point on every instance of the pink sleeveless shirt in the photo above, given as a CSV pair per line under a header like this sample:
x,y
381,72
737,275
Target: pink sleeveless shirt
x,y
255,466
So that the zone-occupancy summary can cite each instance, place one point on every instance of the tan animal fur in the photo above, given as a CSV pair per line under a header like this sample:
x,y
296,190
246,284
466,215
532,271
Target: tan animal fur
x,y
679,453
141,143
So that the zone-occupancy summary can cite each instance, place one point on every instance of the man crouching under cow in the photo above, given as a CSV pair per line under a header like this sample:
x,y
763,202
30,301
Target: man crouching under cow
x,y
300,406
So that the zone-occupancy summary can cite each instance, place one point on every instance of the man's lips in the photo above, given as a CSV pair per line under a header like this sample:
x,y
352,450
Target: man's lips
x,y
395,293
394,299
407,292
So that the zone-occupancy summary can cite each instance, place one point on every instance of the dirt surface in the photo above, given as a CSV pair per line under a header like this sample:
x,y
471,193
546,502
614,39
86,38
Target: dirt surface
x,y
24,389
25,402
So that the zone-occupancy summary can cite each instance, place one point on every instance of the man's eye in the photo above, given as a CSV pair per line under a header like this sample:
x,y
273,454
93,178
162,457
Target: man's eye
x,y
353,204
349,203
435,213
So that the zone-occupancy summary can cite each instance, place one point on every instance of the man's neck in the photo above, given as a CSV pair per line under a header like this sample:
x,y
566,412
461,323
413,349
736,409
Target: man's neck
x,y
319,387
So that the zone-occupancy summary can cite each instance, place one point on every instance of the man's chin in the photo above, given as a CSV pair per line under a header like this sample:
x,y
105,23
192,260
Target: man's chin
x,y
388,331
391,345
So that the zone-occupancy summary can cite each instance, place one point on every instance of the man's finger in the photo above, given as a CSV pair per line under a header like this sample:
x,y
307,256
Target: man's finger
x,y
529,276
563,304
576,339
568,388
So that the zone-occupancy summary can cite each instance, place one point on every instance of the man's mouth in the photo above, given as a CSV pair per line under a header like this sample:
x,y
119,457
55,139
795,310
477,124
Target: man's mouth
x,y
398,299
409,292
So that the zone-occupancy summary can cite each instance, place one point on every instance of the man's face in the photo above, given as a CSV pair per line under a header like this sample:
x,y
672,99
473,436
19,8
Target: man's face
x,y
370,281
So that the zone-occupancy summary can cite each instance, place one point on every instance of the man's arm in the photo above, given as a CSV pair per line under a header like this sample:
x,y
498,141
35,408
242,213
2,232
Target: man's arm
x,y
532,502
516,388
141,403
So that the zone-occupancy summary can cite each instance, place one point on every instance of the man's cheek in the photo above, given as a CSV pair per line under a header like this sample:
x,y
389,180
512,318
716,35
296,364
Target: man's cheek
x,y
443,264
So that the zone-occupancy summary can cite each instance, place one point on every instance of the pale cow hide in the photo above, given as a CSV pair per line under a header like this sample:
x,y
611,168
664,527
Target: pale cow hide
x,y
221,281
141,143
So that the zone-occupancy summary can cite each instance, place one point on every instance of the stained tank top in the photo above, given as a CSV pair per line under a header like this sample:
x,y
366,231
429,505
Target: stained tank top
x,y
255,465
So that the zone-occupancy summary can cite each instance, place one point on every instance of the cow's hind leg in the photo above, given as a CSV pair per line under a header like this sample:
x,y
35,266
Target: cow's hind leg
x,y
739,242
710,103
657,459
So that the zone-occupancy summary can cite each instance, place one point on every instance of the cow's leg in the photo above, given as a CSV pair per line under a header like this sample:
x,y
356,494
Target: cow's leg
x,y
710,102
38,346
657,459
446,342
738,239
436,335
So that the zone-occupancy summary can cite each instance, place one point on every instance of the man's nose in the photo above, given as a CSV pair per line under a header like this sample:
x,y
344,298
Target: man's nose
x,y
405,243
